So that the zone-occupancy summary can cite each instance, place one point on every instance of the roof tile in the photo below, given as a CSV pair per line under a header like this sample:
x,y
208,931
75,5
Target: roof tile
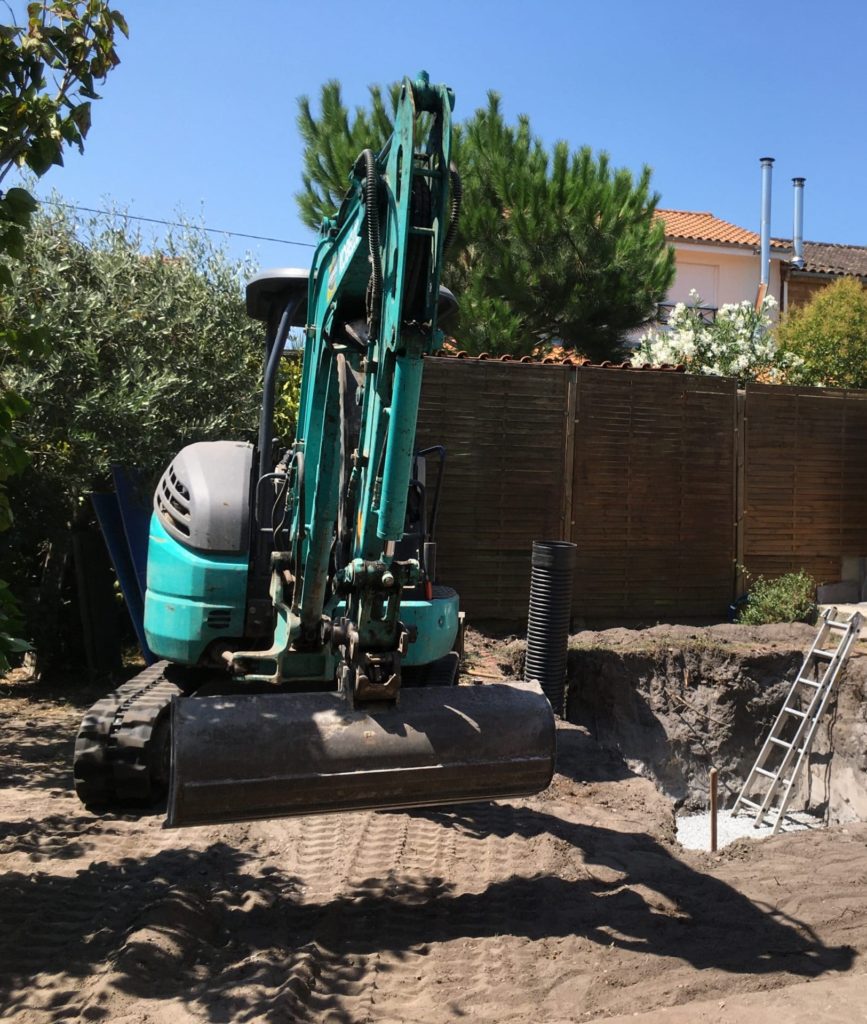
x,y
830,258
704,227
568,359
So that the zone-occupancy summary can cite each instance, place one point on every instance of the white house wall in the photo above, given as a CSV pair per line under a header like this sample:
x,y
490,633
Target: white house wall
x,y
719,276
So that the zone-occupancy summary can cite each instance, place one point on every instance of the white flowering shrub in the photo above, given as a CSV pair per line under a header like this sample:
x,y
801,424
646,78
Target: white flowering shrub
x,y
738,343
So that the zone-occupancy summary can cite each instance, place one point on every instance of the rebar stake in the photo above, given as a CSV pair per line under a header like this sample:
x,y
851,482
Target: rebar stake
x,y
713,775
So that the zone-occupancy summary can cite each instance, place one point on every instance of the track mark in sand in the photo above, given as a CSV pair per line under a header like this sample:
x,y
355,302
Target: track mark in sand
x,y
335,853
409,911
435,909
55,838
76,922
410,967
328,845
485,961
362,881
481,935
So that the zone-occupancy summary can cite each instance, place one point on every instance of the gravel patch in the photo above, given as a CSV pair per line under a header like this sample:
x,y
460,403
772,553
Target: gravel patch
x,y
693,830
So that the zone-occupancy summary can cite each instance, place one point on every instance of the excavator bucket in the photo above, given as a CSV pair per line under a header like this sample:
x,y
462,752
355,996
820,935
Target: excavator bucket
x,y
237,758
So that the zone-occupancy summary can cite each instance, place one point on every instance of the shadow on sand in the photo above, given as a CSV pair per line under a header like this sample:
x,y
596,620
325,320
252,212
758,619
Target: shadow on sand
x,y
214,930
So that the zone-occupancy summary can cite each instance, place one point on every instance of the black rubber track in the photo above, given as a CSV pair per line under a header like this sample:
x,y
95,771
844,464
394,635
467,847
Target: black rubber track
x,y
121,751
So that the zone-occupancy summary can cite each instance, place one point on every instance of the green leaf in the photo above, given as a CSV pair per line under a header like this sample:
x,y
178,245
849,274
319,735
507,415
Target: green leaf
x,y
81,115
43,153
17,205
12,241
120,22
15,644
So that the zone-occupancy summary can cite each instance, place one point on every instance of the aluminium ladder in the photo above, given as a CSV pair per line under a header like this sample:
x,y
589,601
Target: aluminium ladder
x,y
792,733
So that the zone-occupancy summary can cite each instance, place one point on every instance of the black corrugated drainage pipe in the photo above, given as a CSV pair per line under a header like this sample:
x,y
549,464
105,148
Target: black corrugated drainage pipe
x,y
553,568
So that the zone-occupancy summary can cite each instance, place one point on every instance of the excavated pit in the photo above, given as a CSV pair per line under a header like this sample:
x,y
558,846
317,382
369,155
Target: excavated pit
x,y
675,701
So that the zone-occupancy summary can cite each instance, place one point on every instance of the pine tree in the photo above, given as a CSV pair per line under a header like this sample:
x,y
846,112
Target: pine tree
x,y
551,245
332,143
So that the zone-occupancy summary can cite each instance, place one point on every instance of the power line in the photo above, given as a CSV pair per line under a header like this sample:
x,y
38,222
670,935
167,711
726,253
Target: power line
x,y
174,223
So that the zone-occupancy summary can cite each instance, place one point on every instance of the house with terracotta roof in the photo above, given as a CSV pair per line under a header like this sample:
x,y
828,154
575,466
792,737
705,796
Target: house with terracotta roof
x,y
720,261
824,263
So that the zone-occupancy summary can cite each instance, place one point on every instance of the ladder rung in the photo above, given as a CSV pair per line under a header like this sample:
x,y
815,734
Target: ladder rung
x,y
794,711
837,625
786,744
767,813
767,774
808,682
824,655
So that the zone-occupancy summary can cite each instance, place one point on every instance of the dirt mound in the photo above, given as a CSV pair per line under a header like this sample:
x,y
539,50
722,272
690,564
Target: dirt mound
x,y
675,701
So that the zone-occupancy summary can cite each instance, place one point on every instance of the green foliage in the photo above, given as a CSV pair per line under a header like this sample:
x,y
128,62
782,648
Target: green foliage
x,y
828,337
332,143
11,624
149,352
552,244
789,598
288,397
48,69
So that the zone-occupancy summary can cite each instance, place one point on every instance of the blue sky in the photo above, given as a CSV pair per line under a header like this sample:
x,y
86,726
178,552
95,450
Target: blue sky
x,y
200,115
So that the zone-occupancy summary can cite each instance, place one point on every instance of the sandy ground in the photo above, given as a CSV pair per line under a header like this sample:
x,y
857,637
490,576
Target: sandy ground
x,y
576,905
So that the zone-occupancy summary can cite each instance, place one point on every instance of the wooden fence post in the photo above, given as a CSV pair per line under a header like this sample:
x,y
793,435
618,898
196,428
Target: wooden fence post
x,y
570,413
738,581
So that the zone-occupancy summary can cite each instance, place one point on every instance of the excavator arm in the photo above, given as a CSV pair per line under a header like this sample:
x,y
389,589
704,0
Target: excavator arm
x,y
382,254
372,305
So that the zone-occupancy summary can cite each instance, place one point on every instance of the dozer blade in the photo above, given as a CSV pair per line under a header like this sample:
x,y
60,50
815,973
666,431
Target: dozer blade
x,y
236,758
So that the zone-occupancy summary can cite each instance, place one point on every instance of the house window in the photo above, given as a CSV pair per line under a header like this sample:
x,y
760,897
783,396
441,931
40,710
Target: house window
x,y
664,311
699,278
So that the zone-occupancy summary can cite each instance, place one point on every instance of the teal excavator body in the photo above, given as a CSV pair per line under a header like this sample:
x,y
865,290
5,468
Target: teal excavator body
x,y
311,653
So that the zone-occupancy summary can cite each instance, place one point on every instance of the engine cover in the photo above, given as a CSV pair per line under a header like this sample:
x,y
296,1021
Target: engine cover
x,y
198,551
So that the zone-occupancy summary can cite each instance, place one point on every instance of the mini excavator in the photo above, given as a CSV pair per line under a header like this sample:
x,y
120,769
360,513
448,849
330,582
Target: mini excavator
x,y
310,656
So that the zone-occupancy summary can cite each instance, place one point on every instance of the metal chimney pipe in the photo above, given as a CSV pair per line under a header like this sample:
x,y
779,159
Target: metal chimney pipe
x,y
767,163
798,225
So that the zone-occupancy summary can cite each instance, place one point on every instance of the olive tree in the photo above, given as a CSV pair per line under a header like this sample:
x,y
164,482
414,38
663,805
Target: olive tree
x,y
49,65
148,349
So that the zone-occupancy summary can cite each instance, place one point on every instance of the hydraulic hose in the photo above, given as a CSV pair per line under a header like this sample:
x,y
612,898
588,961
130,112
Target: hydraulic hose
x,y
366,162
457,195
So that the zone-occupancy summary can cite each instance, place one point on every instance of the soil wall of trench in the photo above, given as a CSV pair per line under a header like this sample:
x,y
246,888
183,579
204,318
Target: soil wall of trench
x,y
675,701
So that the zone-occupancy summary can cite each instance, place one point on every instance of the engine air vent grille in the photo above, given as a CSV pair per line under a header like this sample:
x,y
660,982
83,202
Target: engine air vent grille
x,y
219,618
173,502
